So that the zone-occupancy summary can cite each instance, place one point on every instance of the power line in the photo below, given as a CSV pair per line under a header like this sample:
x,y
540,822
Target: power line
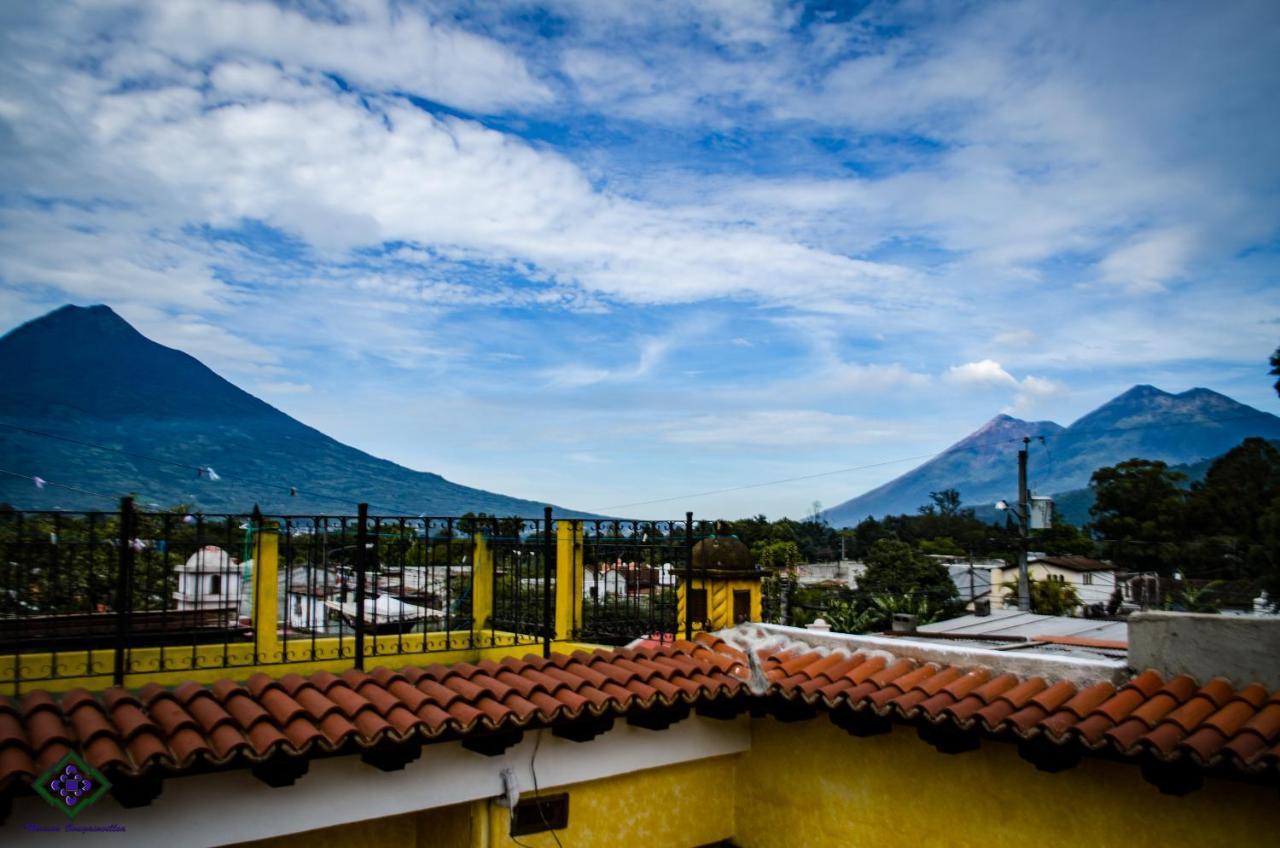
x,y
33,478
773,482
156,459
200,469
1151,426
1042,437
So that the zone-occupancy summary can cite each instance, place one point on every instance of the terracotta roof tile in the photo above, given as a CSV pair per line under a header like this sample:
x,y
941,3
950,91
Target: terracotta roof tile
x,y
404,722
90,722
463,715
966,708
521,709
105,752
301,733
208,713
336,729
15,765
11,731
265,738
147,748
187,744
226,741
494,712
441,695
434,719
228,723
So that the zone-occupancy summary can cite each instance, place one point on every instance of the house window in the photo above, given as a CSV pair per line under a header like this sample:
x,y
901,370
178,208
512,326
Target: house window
x,y
741,605
1088,579
215,584
698,605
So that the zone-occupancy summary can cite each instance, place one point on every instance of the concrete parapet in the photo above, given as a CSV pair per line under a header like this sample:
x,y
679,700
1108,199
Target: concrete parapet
x,y
1242,648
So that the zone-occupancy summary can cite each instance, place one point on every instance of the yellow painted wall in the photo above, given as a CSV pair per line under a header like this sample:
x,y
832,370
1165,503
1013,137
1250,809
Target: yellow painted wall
x,y
668,807
811,784
444,827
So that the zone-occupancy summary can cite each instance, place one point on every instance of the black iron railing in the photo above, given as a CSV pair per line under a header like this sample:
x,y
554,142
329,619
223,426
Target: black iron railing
x,y
91,594
630,576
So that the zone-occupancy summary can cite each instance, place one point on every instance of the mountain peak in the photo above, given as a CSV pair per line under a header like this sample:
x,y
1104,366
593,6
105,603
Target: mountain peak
x,y
103,407
1144,422
89,357
1201,393
1142,391
98,313
81,323
1004,425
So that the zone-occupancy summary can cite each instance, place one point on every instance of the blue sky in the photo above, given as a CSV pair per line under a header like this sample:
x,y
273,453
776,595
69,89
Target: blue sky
x,y
601,253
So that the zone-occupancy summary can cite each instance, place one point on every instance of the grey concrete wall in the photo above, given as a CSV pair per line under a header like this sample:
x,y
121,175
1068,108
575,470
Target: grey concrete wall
x,y
1242,648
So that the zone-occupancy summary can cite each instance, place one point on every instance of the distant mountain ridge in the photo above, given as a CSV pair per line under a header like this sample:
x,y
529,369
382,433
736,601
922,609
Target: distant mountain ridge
x,y
1144,422
86,374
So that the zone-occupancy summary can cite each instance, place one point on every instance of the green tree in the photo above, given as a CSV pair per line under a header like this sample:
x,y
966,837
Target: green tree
x,y
1138,509
942,545
1269,532
878,612
1063,538
1275,368
947,502
1193,599
895,568
1048,597
778,556
1227,512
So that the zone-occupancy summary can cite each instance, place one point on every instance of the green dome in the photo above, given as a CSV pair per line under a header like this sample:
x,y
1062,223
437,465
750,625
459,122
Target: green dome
x,y
723,553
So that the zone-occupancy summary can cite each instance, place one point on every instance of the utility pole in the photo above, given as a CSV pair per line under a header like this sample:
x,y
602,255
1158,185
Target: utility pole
x,y
1024,530
972,597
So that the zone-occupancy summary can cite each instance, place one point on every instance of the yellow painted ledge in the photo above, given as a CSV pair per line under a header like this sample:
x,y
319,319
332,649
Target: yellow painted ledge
x,y
171,666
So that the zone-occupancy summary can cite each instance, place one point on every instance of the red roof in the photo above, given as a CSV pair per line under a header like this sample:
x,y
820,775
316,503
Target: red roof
x,y
386,715
1075,563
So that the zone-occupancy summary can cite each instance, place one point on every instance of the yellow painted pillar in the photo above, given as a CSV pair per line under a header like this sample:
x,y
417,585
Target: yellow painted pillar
x,y
569,563
481,832
481,586
266,567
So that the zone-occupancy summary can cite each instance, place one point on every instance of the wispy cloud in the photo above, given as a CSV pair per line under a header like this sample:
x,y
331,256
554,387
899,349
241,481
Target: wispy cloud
x,y
749,224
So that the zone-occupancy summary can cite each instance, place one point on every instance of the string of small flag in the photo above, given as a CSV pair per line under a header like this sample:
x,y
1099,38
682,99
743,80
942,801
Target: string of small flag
x,y
203,472
41,483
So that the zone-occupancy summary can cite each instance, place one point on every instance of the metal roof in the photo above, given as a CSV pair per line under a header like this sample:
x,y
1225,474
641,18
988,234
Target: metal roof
x,y
1030,625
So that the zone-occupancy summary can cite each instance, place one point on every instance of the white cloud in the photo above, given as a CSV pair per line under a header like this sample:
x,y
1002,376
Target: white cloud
x,y
652,352
984,372
991,374
794,428
858,376
1151,260
1014,338
377,47
284,388
1068,190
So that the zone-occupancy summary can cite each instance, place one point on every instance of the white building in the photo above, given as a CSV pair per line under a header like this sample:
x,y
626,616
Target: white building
x,y
1093,580
209,579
